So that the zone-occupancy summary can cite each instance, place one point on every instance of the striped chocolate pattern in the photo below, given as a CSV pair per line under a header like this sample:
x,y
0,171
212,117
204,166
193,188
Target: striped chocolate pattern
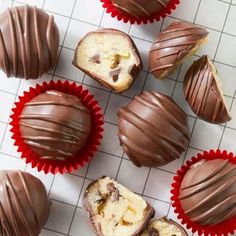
x,y
140,8
19,209
203,93
29,40
208,192
172,45
153,130
55,125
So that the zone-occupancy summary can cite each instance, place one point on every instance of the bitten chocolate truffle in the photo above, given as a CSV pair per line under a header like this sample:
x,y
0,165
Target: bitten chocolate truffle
x,y
115,210
203,92
24,204
55,125
164,227
140,8
110,57
172,45
153,129
29,40
208,192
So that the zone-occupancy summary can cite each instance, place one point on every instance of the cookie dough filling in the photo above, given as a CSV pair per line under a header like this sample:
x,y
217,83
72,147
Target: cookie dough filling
x,y
109,57
114,210
164,227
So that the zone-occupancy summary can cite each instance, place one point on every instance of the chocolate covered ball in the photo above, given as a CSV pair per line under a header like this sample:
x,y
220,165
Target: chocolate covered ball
x,y
29,40
172,45
24,204
203,92
55,125
140,8
153,129
208,192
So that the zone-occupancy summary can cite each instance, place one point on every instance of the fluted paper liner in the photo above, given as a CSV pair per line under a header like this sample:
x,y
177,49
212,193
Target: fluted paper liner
x,y
115,13
224,228
83,156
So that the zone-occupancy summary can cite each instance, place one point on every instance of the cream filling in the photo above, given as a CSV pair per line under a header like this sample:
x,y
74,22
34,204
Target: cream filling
x,y
163,228
113,53
117,217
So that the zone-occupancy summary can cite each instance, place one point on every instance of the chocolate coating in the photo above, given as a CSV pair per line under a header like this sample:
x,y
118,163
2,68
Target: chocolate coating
x,y
55,125
208,191
140,8
172,45
202,92
153,129
29,40
24,204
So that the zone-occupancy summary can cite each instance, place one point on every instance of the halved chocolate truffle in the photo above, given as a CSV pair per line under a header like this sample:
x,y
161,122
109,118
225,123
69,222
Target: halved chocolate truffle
x,y
164,227
140,8
153,129
29,40
208,192
172,45
24,204
203,93
115,210
110,57
55,125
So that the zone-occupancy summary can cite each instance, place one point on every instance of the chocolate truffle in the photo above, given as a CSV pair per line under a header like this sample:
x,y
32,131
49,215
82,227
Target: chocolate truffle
x,y
110,57
203,93
115,210
208,191
153,129
172,45
140,8
29,40
24,204
164,227
55,125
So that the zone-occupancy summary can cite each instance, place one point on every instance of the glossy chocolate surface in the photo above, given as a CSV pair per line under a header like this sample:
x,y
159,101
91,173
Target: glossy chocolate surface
x,y
153,129
140,8
55,125
203,94
24,204
208,191
29,40
172,45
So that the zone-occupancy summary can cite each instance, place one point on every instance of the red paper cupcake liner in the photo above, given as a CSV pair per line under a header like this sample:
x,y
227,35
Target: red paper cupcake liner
x,y
83,156
224,228
110,8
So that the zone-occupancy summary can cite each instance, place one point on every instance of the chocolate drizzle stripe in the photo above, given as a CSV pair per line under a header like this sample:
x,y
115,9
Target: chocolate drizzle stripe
x,y
47,118
17,208
134,148
50,130
125,10
50,139
199,87
140,7
162,3
4,57
218,210
5,228
165,113
58,158
27,41
208,183
151,131
48,148
213,173
77,107
29,198
22,42
14,44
